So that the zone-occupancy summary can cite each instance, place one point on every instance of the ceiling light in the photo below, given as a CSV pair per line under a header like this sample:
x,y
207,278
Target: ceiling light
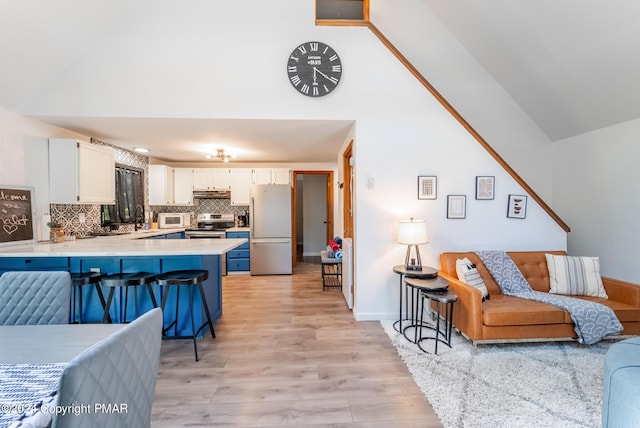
x,y
141,149
220,154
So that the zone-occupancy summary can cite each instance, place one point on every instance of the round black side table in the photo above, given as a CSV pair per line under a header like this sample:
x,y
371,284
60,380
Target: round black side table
x,y
417,286
426,272
444,300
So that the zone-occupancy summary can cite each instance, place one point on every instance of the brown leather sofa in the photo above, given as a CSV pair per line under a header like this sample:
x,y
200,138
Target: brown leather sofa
x,y
508,318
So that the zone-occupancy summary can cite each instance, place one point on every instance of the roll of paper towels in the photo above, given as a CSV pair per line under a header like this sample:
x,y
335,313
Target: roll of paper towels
x,y
44,229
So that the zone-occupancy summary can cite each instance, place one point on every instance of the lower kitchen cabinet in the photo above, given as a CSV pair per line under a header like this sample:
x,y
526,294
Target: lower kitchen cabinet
x,y
175,235
238,258
33,264
138,297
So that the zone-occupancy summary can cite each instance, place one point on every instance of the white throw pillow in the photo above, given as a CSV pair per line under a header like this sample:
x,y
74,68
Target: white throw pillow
x,y
575,276
468,273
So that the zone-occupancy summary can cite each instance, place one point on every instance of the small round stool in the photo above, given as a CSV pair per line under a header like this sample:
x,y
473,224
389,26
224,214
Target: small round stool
x,y
127,280
187,278
78,280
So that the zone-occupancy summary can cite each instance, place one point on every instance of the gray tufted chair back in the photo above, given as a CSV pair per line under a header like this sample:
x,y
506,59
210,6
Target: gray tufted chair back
x,y
112,384
34,298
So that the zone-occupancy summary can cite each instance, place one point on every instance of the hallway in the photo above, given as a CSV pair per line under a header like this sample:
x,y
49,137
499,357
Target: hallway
x,y
287,354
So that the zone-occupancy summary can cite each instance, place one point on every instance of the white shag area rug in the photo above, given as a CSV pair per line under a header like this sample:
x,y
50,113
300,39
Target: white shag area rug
x,y
554,384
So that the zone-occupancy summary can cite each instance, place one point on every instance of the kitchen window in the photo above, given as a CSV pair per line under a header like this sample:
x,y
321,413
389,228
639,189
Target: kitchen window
x,y
129,206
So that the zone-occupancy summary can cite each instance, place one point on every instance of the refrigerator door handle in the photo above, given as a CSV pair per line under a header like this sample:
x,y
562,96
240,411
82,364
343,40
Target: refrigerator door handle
x,y
251,222
269,241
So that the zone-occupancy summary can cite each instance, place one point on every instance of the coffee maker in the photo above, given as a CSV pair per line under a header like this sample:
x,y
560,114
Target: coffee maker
x,y
243,219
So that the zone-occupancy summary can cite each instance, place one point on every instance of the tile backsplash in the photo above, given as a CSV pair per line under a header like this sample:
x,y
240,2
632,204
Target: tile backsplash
x,y
69,215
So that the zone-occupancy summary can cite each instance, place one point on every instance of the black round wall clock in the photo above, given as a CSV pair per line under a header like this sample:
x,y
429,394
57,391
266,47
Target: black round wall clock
x,y
314,69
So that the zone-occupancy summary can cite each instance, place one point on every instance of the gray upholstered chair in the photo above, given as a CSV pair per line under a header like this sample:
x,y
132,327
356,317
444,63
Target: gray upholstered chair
x,y
34,298
119,371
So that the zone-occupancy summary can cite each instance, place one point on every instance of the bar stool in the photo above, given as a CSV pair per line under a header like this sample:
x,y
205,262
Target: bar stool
x,y
78,280
127,280
187,278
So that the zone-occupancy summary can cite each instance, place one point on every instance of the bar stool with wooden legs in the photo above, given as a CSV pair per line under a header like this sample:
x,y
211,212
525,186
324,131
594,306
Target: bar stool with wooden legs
x,y
128,280
189,279
78,280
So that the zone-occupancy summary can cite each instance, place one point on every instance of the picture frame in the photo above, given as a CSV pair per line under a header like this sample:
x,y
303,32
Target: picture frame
x,y
427,187
456,206
517,206
485,187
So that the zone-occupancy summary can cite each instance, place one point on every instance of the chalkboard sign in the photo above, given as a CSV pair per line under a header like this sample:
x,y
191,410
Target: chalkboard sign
x,y
16,215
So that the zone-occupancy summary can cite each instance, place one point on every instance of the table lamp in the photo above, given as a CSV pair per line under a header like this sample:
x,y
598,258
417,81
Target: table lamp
x,y
412,233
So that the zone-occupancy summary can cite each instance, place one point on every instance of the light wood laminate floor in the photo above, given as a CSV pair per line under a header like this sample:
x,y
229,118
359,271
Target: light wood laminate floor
x,y
287,354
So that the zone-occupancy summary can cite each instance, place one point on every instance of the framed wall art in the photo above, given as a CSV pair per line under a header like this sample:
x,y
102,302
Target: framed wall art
x,y
517,206
485,187
456,206
427,187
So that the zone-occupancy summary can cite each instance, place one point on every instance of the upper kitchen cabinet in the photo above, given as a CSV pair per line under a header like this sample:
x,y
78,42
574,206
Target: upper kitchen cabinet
x,y
161,185
280,176
183,186
211,179
170,186
81,173
240,186
271,176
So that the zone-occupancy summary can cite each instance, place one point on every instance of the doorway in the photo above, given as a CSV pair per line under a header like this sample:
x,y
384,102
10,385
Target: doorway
x,y
312,214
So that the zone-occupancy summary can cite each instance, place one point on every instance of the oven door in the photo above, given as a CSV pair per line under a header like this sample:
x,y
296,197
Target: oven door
x,y
209,234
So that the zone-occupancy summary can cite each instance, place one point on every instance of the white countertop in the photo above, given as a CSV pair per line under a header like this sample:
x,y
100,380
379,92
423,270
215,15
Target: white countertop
x,y
123,246
238,229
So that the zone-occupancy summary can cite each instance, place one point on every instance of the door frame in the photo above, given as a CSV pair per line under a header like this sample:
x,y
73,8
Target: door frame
x,y
347,191
294,207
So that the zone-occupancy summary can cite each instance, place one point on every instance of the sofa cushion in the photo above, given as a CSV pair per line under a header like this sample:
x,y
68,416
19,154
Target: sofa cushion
x,y
575,276
468,273
533,266
511,310
448,265
624,311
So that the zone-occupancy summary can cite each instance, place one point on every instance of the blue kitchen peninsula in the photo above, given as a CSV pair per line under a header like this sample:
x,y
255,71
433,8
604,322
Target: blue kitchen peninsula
x,y
128,253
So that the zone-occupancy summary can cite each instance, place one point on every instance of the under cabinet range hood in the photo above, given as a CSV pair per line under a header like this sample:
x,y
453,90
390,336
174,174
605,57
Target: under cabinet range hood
x,y
212,194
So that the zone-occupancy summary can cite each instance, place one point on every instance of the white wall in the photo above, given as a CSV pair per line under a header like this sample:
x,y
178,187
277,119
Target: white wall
x,y
469,88
596,181
231,64
24,157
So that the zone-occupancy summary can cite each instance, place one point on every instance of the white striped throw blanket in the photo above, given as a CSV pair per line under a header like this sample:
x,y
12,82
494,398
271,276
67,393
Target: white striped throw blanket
x,y
592,321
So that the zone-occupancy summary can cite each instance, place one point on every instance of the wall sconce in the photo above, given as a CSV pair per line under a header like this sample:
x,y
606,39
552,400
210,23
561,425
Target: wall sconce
x,y
412,233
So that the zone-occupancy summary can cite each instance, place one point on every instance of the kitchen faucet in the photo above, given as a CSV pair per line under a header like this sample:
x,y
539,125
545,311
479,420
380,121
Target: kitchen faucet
x,y
135,217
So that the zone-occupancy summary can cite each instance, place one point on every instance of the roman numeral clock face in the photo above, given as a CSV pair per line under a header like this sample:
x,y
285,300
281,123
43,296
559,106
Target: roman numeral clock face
x,y
314,69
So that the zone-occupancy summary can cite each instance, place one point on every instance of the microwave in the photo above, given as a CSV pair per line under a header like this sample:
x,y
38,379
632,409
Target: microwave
x,y
174,220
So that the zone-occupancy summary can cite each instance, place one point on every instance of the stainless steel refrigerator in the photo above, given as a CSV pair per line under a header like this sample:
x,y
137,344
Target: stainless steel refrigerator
x,y
270,224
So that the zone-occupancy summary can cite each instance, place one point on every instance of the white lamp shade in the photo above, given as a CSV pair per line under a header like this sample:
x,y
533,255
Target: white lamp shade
x,y
412,232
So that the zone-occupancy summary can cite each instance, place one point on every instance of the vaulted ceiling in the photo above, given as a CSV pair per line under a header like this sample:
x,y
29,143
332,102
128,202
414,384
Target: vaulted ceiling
x,y
572,65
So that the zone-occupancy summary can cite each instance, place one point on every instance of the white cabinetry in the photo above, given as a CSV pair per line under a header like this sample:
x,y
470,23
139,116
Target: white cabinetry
x,y
271,176
160,185
183,186
211,179
261,176
280,176
240,186
170,186
81,173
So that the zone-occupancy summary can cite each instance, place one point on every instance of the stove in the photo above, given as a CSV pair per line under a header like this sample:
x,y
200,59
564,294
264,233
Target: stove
x,y
212,226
